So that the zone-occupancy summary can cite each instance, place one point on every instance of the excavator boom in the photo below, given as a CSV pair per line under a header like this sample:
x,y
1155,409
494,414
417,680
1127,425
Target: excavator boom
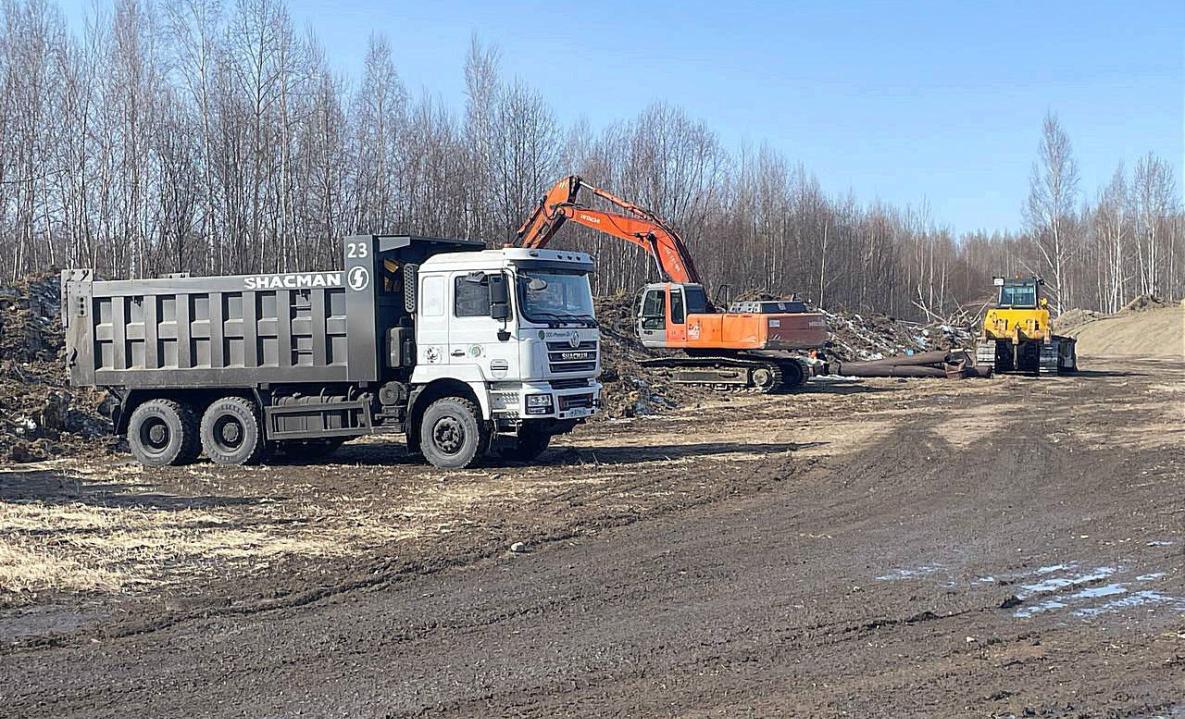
x,y
631,223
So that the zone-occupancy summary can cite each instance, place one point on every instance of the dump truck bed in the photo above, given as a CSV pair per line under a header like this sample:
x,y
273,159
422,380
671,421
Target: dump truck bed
x,y
239,330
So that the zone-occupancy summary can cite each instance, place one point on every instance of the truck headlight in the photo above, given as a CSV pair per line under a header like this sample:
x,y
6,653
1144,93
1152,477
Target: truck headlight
x,y
539,404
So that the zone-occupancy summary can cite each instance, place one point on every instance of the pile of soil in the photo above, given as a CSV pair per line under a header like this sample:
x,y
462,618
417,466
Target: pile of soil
x,y
856,337
39,416
1145,327
1144,303
1076,317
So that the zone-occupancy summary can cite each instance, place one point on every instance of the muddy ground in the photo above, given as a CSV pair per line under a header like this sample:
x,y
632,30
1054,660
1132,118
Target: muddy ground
x,y
1005,547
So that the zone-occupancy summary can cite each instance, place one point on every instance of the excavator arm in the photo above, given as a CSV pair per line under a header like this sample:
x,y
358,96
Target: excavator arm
x,y
631,223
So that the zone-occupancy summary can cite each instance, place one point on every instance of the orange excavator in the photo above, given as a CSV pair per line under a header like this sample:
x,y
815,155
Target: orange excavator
x,y
755,345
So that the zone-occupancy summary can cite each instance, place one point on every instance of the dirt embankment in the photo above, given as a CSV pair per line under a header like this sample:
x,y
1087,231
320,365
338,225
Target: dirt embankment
x,y
1146,327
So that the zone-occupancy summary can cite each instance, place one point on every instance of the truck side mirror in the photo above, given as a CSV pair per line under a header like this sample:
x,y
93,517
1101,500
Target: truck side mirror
x,y
499,297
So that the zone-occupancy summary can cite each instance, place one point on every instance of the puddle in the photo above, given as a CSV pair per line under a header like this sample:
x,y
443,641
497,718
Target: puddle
x,y
1135,599
923,570
1052,568
1055,583
1106,590
1117,595
1046,606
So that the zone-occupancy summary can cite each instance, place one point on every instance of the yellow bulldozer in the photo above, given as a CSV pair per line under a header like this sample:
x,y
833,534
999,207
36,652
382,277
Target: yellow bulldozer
x,y
1017,335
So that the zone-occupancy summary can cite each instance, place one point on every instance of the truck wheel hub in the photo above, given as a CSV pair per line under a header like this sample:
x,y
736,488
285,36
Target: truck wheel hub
x,y
157,435
229,432
448,435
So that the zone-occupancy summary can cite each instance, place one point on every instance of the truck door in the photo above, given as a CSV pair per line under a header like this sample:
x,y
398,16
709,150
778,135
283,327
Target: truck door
x,y
652,317
473,333
432,323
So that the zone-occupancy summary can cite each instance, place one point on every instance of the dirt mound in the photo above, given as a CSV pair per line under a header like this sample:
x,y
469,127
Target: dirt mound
x,y
39,416
1143,331
1076,317
1143,303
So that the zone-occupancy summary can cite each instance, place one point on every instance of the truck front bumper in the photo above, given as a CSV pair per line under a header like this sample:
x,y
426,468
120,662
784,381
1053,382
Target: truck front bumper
x,y
541,400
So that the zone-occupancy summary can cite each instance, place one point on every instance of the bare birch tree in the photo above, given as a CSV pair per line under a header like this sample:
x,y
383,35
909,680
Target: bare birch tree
x,y
1053,190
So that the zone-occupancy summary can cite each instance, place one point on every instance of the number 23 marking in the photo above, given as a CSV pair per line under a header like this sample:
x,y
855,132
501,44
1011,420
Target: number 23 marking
x,y
356,250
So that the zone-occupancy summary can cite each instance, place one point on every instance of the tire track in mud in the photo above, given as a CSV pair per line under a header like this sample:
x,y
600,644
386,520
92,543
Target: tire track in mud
x,y
379,573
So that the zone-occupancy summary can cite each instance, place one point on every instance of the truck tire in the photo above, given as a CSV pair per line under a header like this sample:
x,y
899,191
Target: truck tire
x,y
231,432
163,432
526,447
453,435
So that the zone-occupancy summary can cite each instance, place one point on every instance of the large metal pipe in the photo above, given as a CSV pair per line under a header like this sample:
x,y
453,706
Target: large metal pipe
x,y
955,364
878,369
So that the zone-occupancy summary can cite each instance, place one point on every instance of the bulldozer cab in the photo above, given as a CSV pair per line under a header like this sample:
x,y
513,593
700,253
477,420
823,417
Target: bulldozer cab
x,y
1019,294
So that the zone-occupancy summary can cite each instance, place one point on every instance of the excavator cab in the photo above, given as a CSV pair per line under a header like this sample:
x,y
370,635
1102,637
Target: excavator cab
x,y
663,311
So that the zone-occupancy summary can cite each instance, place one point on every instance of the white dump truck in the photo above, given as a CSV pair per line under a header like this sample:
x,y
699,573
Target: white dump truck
x,y
471,353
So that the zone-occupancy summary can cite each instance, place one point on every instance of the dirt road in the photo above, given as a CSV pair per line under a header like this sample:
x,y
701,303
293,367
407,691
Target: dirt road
x,y
886,548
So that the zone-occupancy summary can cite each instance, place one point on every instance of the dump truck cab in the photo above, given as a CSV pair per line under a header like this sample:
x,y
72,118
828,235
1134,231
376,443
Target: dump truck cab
x,y
1017,333
518,327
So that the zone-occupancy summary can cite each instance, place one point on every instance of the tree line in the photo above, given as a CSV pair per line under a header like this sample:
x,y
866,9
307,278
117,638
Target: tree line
x,y
213,138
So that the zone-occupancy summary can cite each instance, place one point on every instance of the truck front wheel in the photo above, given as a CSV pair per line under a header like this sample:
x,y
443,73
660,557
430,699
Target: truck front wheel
x,y
163,432
231,432
453,434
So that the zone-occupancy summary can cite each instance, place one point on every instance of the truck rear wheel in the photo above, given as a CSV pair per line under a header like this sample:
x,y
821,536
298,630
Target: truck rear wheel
x,y
231,432
452,434
163,432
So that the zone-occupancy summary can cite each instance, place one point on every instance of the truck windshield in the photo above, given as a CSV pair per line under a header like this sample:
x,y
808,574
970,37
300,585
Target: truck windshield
x,y
1018,296
549,296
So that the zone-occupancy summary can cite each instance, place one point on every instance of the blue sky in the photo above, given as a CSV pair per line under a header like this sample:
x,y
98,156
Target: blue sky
x,y
938,102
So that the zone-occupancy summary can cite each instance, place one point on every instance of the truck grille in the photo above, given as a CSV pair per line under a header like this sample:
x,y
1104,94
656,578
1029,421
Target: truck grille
x,y
569,383
563,357
576,400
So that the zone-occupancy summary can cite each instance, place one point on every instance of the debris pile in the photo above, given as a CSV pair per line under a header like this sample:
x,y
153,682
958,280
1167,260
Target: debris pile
x,y
632,390
856,337
39,417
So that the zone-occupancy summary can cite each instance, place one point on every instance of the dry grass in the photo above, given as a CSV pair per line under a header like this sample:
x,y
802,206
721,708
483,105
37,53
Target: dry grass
x,y
140,538
78,547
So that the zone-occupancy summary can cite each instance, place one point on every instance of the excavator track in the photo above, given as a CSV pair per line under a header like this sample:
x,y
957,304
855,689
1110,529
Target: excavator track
x,y
735,374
